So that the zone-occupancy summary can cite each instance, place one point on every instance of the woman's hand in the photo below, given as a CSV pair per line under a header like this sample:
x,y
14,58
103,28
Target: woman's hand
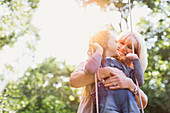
x,y
116,77
118,82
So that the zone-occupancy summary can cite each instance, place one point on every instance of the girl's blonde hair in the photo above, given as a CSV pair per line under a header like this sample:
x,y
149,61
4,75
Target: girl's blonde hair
x,y
140,50
102,38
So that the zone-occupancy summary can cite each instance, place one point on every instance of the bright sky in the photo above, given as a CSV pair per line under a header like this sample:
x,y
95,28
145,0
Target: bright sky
x,y
64,31
65,28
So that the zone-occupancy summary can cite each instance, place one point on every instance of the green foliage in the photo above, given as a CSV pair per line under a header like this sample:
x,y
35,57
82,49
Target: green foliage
x,y
119,3
44,89
15,17
157,76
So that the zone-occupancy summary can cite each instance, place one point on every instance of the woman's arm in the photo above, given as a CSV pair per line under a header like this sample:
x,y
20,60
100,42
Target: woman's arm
x,y
80,78
143,97
131,86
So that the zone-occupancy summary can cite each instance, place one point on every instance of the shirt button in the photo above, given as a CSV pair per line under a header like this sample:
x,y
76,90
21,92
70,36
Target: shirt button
x,y
112,65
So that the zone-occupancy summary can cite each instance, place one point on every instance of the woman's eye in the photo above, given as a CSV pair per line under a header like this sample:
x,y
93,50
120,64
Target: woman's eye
x,y
129,47
121,43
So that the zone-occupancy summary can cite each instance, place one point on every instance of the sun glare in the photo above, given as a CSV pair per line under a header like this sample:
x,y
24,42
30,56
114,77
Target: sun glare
x,y
65,29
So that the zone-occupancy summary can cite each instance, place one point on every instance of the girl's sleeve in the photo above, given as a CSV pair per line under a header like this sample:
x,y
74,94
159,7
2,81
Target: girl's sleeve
x,y
138,71
80,67
93,64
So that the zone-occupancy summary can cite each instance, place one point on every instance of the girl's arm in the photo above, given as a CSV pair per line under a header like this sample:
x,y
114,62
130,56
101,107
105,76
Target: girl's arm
x,y
138,71
93,64
94,61
84,73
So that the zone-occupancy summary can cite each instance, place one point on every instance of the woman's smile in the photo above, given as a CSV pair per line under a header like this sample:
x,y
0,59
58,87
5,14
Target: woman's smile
x,y
122,53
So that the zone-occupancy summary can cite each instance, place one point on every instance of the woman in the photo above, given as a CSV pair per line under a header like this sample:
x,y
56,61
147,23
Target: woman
x,y
125,44
81,78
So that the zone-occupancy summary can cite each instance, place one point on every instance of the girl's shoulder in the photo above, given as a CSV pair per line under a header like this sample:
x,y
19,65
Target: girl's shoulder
x,y
80,66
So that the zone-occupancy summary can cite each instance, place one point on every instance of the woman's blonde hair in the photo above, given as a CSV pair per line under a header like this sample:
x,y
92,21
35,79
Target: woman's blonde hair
x,y
140,50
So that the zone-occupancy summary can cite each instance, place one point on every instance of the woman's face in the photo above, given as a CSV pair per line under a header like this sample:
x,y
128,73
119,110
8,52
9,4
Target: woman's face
x,y
125,46
112,47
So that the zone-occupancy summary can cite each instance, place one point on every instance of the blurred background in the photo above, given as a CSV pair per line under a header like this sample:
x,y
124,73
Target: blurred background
x,y
42,41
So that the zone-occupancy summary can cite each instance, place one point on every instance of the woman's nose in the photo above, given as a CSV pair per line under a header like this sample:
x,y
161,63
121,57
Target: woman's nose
x,y
118,47
123,47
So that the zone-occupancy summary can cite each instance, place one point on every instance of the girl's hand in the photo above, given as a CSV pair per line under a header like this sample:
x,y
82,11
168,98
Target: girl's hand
x,y
131,56
96,47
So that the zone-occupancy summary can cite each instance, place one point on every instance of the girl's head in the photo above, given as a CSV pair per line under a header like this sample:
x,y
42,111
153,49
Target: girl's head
x,y
125,47
107,41
110,48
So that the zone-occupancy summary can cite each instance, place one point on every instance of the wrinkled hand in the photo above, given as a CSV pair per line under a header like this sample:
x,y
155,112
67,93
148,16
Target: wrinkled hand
x,y
115,75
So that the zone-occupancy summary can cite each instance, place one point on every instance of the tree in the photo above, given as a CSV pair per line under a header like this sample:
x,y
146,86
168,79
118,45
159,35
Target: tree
x,y
15,23
44,89
15,20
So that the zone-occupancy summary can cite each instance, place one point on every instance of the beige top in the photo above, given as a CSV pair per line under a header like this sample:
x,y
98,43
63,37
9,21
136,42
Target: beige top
x,y
86,104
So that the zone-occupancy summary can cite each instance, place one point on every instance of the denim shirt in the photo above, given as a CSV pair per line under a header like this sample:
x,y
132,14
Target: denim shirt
x,y
93,64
